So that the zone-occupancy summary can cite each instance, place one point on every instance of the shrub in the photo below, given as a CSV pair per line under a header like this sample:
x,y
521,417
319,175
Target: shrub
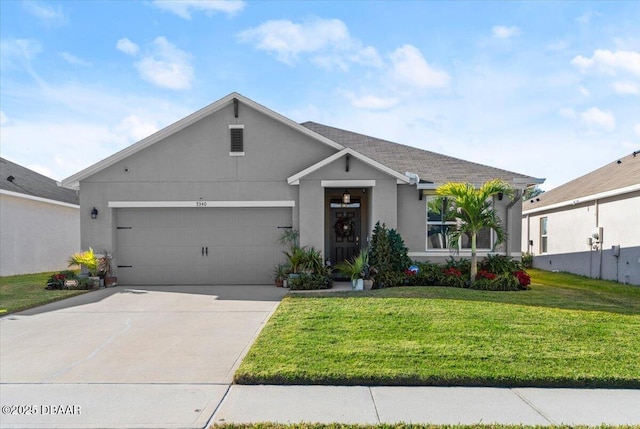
x,y
399,252
429,274
499,264
503,282
380,249
484,274
56,281
389,279
310,282
523,279
527,260
86,259
463,265
454,277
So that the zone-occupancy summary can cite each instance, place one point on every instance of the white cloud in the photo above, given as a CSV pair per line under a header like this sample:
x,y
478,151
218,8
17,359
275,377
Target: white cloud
x,y
504,32
636,128
327,41
72,59
184,8
45,12
287,40
166,66
584,91
127,46
3,118
410,68
609,62
626,88
135,128
596,118
14,51
372,102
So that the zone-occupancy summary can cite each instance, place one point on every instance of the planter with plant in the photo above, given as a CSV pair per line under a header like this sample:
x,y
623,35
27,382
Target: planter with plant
x,y
355,269
279,274
88,261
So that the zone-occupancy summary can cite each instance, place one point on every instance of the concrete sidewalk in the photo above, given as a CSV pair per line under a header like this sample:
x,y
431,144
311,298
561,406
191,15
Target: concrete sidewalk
x,y
436,405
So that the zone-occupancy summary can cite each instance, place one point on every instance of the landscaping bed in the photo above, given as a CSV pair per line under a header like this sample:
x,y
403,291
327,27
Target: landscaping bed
x,y
21,292
567,331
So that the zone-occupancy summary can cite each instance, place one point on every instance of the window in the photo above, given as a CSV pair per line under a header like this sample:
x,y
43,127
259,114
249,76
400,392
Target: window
x,y
237,140
440,221
543,235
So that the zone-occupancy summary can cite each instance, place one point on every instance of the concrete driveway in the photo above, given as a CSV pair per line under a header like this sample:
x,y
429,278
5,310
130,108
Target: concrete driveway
x,y
128,357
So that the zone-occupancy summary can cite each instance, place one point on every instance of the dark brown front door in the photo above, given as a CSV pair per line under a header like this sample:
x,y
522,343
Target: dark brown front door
x,y
345,233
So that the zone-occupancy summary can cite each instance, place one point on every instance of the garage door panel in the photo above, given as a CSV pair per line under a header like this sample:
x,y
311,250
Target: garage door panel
x,y
164,245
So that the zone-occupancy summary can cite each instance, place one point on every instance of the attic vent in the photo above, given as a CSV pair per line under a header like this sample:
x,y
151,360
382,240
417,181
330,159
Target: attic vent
x,y
237,140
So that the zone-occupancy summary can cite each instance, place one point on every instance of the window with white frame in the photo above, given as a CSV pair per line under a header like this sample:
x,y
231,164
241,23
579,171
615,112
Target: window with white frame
x,y
543,235
440,220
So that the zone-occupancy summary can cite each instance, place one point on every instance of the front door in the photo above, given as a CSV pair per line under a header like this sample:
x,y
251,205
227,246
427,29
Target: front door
x,y
345,232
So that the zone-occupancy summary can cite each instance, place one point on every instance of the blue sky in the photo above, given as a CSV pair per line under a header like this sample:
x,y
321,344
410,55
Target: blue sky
x,y
548,89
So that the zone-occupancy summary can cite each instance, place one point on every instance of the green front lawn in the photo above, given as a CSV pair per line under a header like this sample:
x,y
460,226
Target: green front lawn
x,y
26,291
567,331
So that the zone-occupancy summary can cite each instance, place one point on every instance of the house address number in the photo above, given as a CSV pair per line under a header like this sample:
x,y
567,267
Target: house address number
x,y
201,204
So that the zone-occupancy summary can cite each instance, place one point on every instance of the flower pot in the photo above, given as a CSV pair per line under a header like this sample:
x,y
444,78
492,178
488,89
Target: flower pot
x,y
95,282
368,284
357,284
110,281
279,282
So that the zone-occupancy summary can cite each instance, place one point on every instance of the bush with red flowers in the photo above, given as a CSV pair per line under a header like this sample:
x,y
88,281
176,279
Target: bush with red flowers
x,y
523,279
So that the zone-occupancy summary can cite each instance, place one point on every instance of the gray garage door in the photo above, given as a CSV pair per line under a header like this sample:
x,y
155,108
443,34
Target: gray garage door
x,y
199,245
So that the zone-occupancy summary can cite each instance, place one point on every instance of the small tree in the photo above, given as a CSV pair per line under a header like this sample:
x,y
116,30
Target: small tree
x,y
473,210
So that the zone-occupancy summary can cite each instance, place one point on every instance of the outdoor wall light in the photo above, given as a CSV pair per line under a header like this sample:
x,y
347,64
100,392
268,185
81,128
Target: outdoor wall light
x,y
346,197
500,195
94,213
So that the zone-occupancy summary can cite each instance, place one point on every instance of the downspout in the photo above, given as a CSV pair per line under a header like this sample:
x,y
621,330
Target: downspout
x,y
508,222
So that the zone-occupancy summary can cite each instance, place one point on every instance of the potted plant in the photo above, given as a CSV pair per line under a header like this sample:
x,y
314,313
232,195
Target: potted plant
x,y
355,269
280,274
88,261
106,270
296,257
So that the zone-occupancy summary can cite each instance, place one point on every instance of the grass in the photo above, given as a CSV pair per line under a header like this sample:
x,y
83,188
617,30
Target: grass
x,y
568,331
26,291
397,426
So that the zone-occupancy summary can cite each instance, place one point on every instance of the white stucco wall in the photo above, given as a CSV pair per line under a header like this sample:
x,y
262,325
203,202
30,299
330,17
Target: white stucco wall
x,y
37,235
569,227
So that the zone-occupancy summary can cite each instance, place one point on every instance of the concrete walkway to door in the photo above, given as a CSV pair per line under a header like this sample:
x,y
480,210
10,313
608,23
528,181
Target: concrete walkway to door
x,y
128,356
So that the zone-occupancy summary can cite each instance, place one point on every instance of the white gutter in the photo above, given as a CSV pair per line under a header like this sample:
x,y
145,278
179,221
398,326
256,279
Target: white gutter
x,y
585,199
39,199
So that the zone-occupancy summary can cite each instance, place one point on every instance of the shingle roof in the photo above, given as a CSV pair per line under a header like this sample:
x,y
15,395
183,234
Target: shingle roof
x,y
431,167
29,182
621,173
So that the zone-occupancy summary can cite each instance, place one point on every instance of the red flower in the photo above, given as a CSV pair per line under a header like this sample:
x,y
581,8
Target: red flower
x,y
523,278
454,272
484,274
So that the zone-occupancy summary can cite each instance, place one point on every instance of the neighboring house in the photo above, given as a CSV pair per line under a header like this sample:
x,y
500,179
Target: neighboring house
x,y
204,200
589,226
39,222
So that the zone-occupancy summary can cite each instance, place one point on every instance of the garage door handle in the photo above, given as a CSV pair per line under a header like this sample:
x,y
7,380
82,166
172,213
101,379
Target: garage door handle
x,y
202,251
206,250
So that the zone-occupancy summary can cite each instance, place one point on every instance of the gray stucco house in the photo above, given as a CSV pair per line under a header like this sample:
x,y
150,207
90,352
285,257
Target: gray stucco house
x,y
39,222
590,225
204,200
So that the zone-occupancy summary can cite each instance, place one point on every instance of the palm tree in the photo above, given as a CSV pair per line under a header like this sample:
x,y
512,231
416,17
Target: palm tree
x,y
473,210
